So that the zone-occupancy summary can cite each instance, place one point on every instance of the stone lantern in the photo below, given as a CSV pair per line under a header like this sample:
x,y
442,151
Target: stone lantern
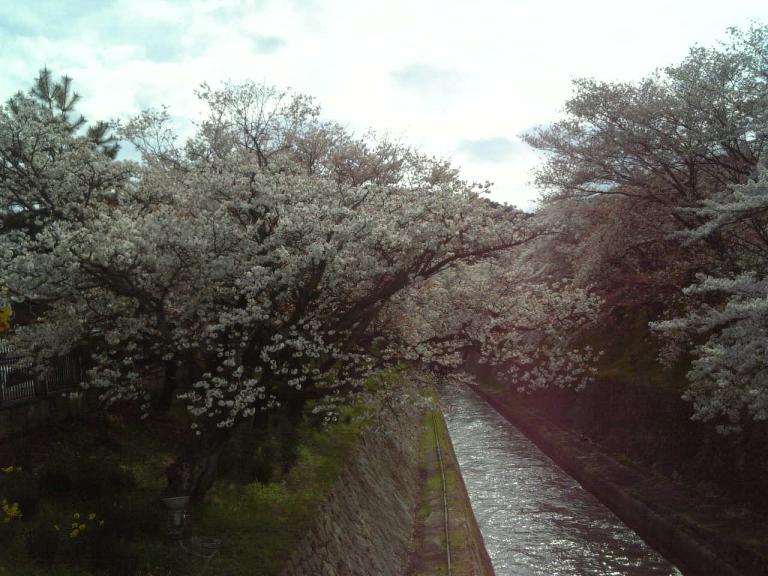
x,y
177,515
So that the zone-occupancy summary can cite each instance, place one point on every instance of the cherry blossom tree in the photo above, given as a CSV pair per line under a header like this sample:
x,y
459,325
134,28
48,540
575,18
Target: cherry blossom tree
x,y
728,315
502,313
673,138
629,158
659,184
47,162
253,265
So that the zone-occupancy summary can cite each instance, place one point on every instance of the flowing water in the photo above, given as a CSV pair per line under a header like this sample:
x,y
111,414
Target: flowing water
x,y
536,519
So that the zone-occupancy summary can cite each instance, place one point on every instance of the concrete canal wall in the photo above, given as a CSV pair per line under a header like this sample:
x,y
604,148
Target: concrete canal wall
x,y
690,533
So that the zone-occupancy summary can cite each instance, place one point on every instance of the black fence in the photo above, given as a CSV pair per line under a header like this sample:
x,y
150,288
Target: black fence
x,y
19,382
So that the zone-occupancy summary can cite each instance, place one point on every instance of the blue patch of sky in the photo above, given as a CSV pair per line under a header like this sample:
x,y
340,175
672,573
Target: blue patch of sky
x,y
496,149
51,18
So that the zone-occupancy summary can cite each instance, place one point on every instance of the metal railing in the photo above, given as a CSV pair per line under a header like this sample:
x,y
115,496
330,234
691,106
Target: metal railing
x,y
19,382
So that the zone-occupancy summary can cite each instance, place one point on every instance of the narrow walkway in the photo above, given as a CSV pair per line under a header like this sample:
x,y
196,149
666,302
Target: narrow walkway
x,y
429,556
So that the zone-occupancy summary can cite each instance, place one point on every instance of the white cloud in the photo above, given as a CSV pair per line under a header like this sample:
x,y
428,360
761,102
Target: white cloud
x,y
427,78
437,73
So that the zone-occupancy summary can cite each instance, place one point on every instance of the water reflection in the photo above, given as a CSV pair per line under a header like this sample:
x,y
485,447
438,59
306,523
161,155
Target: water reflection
x,y
535,519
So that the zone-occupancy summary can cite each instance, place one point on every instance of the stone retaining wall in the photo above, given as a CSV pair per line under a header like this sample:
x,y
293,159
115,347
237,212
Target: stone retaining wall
x,y
364,527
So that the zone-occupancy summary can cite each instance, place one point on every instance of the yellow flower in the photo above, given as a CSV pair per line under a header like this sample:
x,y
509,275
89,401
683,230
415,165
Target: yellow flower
x,y
92,516
56,527
10,511
74,533
101,522
7,469
81,527
77,516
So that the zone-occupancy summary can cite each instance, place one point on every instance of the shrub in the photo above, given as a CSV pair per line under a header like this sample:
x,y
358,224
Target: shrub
x,y
112,556
55,481
133,517
43,544
16,488
100,478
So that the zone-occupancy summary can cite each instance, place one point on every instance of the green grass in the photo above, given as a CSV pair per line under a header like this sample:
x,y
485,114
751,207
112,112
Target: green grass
x,y
260,524
11,568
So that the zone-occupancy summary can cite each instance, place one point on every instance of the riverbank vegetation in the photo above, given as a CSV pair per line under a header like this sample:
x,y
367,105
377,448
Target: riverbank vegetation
x,y
87,497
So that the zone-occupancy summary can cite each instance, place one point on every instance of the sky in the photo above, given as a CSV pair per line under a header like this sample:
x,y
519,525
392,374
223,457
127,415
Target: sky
x,y
457,79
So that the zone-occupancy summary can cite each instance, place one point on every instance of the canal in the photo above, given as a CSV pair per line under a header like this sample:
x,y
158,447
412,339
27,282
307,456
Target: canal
x,y
536,519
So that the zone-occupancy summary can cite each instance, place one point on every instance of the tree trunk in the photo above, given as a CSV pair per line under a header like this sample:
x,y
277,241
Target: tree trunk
x,y
170,382
194,471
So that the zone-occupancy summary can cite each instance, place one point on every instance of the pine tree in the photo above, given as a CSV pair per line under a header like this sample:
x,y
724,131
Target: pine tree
x,y
58,100
50,156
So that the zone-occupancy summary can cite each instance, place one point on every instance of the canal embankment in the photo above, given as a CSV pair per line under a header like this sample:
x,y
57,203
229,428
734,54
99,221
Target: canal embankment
x,y
385,514
446,531
694,534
